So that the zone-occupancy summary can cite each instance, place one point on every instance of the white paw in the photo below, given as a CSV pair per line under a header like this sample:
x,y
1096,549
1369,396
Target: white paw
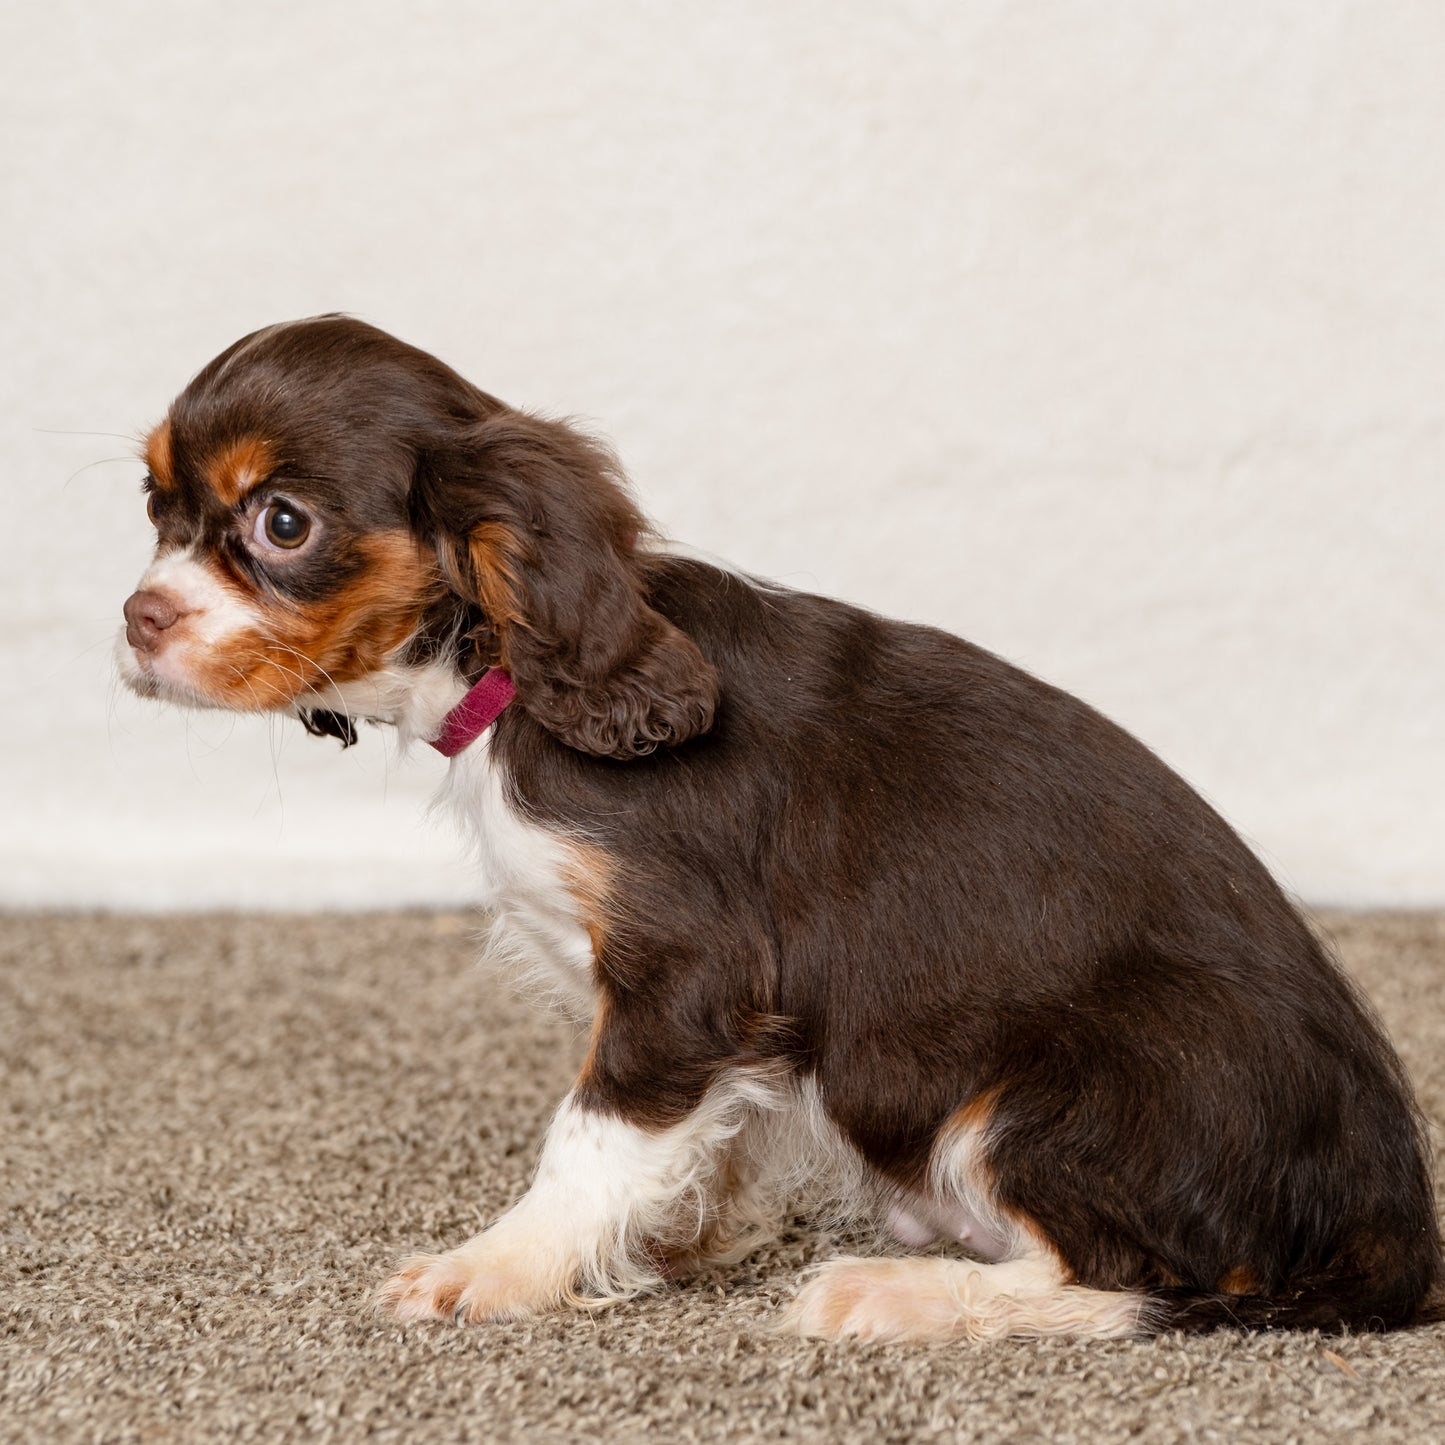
x,y
469,1285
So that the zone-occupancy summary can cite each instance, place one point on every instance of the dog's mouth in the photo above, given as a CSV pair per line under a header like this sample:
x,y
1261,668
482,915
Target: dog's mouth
x,y
136,670
199,654
133,667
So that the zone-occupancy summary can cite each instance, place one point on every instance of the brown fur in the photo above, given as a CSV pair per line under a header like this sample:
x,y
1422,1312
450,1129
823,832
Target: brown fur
x,y
497,561
954,893
542,538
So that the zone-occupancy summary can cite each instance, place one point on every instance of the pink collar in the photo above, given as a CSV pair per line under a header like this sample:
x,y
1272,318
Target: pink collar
x,y
475,713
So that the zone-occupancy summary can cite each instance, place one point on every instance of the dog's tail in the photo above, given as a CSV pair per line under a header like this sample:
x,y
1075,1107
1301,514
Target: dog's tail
x,y
1330,1303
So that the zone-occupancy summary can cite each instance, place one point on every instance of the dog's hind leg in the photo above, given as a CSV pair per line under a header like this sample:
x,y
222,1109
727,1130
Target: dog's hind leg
x,y
947,1299
1024,1289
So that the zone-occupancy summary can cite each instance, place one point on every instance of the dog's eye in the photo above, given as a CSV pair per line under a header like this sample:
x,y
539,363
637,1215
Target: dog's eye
x,y
282,524
151,507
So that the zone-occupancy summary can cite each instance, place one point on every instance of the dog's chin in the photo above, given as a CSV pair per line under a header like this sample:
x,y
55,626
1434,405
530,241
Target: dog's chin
x,y
139,678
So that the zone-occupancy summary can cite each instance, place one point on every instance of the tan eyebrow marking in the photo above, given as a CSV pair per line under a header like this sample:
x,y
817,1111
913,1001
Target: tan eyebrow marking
x,y
157,455
237,467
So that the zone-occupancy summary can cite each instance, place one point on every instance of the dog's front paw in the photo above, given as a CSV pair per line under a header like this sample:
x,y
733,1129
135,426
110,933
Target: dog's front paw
x,y
467,1286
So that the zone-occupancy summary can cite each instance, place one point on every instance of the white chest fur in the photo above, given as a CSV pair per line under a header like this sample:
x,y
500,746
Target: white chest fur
x,y
532,883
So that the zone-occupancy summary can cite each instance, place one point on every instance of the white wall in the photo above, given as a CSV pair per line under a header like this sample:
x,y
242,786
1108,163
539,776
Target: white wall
x,y
1110,335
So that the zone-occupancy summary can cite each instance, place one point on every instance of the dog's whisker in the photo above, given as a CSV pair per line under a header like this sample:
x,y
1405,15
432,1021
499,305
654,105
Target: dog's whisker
x,y
247,677
296,652
99,462
53,431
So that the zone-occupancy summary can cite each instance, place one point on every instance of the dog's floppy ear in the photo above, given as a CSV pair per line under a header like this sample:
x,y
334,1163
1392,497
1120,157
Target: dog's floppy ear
x,y
532,523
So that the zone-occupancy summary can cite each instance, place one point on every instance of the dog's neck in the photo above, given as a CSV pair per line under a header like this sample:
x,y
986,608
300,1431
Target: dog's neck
x,y
484,703
414,698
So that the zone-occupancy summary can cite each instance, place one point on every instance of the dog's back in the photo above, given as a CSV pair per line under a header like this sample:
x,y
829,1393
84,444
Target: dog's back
x,y
991,918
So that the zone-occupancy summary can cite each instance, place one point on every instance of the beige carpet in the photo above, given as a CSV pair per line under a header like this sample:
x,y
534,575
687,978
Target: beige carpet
x,y
220,1132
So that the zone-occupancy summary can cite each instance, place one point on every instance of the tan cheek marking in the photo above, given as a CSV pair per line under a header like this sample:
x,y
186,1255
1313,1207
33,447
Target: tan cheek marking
x,y
355,632
157,456
247,672
236,468
340,640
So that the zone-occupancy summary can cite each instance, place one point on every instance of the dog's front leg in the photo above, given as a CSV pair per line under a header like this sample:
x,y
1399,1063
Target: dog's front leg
x,y
608,1199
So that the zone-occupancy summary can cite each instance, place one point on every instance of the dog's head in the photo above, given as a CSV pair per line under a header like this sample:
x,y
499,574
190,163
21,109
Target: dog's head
x,y
334,508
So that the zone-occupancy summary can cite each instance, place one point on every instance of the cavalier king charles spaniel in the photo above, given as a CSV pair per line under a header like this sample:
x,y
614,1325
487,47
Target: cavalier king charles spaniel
x,y
864,919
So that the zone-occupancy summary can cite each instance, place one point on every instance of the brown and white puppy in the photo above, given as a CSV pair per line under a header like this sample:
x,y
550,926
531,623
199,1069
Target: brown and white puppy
x,y
859,912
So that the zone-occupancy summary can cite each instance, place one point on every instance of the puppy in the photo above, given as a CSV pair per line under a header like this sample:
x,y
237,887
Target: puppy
x,y
860,914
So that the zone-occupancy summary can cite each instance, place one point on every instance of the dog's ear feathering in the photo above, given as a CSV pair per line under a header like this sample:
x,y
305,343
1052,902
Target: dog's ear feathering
x,y
532,523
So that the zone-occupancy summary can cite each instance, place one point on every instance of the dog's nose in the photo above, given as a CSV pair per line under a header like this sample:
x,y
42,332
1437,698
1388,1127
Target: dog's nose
x,y
147,615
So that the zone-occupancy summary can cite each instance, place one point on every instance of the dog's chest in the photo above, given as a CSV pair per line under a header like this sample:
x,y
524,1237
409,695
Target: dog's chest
x,y
538,885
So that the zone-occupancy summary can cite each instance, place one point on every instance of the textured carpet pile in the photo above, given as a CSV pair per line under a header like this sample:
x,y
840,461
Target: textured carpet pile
x,y
219,1133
